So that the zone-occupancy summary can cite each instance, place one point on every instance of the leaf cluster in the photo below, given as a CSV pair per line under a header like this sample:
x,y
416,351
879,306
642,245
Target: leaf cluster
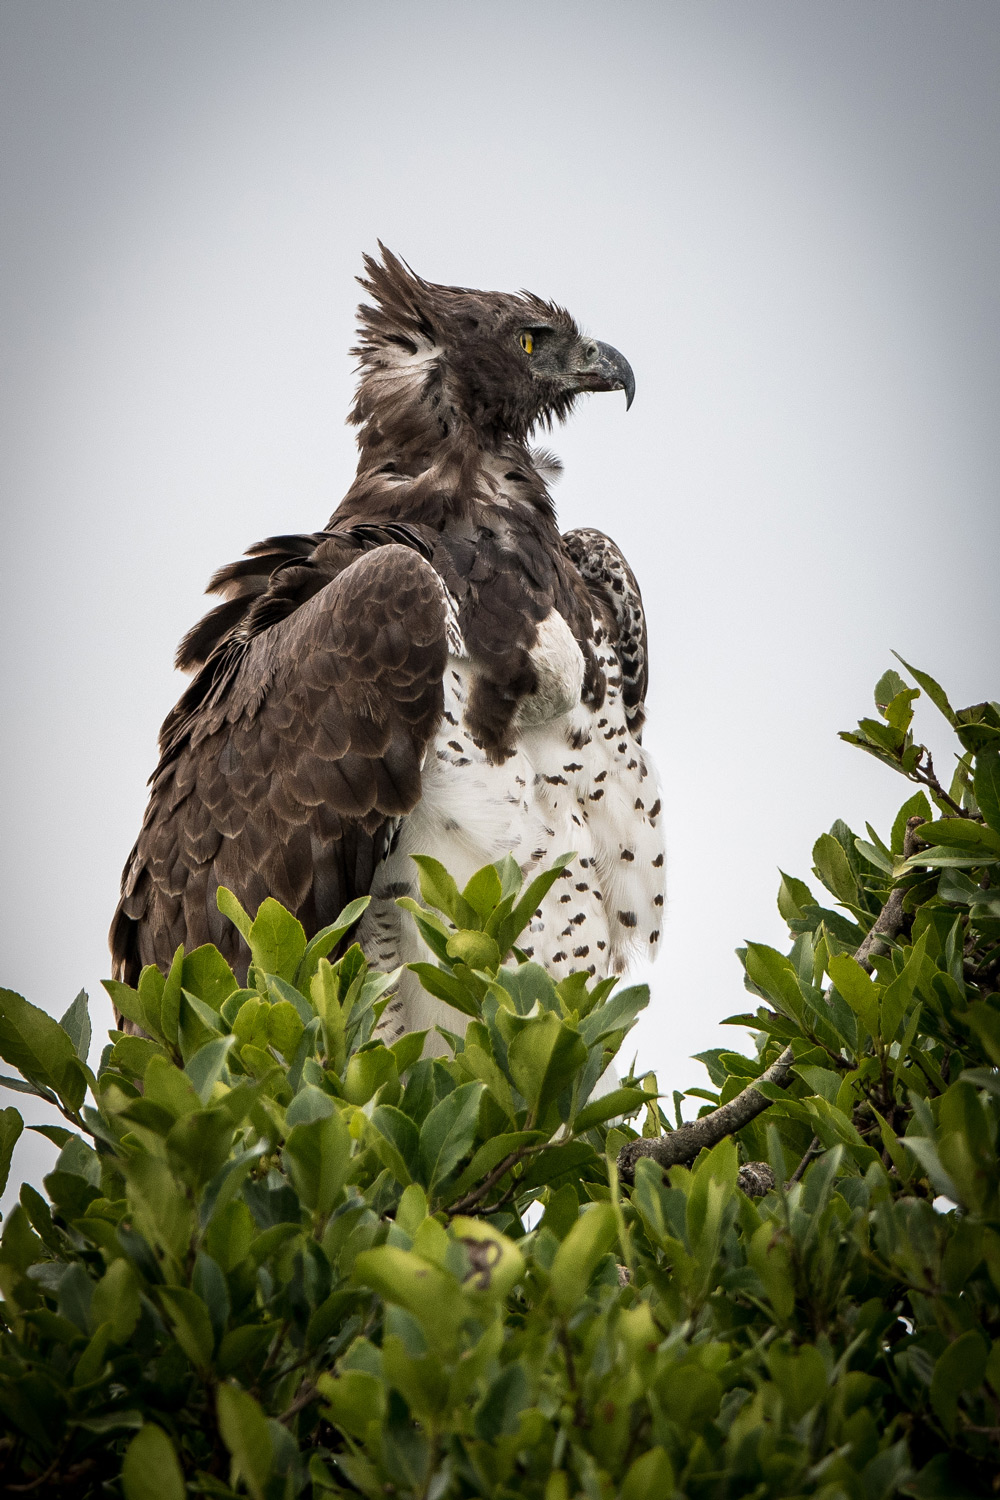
x,y
277,1257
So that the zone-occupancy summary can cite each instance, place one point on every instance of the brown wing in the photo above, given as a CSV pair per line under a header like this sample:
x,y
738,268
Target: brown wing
x,y
290,759
614,590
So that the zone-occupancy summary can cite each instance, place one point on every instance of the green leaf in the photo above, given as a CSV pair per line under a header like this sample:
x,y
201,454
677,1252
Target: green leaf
x,y
151,985
792,896
544,1057
959,833
448,1132
284,1028
623,1101
150,1468
438,889
231,908
986,785
933,690
888,687
277,940
116,1301
857,988
396,1140
510,929
650,1477
191,1324
126,1001
317,1158
484,891
327,939
37,1046
407,1050
366,1073
833,868
11,1126
446,987
960,1368
170,999
575,1261
429,1293
208,977
205,1069
245,1433
355,1401
476,949
199,1144
774,976
76,1024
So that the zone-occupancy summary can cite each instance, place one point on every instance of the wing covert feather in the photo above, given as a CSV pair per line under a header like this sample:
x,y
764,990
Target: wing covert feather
x,y
286,779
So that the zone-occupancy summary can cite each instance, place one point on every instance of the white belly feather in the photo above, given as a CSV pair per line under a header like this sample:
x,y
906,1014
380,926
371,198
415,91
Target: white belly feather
x,y
578,781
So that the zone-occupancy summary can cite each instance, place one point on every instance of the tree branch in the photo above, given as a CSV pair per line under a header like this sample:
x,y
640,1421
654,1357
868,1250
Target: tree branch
x,y
682,1145
890,918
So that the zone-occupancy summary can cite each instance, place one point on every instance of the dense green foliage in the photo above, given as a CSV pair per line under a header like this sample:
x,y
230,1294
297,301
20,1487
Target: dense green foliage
x,y
278,1257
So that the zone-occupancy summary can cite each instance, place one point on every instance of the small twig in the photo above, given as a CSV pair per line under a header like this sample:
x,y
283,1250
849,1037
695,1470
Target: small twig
x,y
928,779
471,1198
307,1394
890,918
811,1150
683,1145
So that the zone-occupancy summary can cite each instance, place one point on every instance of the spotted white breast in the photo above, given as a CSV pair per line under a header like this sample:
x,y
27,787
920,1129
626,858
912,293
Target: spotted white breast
x,y
579,780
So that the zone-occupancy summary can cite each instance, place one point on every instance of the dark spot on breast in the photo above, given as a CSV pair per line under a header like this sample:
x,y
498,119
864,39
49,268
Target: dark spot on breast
x,y
568,897
627,918
582,886
657,862
658,900
601,944
596,796
600,775
581,952
655,809
573,766
556,780
456,745
654,936
628,856
559,958
581,916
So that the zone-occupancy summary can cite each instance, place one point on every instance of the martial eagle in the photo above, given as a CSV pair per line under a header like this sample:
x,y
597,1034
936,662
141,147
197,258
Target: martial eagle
x,y
437,671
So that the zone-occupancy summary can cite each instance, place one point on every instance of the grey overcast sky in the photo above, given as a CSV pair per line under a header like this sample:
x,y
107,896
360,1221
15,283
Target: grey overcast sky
x,y
785,212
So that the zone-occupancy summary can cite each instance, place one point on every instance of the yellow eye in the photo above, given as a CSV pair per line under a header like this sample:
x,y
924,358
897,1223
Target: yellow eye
x,y
527,342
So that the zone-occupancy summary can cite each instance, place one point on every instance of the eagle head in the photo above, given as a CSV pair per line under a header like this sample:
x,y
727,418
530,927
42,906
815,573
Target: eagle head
x,y
496,362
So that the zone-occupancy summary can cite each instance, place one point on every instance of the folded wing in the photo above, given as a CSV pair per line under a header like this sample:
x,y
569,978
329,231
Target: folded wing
x,y
287,763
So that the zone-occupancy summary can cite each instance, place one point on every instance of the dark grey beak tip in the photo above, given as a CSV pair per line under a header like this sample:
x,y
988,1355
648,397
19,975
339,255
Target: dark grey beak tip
x,y
612,372
629,386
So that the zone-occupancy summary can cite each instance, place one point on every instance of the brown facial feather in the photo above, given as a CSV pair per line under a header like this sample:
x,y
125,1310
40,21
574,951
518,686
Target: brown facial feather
x,y
318,680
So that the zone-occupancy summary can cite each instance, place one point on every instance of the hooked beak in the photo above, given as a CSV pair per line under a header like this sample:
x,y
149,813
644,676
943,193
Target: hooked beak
x,y
604,369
